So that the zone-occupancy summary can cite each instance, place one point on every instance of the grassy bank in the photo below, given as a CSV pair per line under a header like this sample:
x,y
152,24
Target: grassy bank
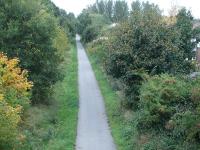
x,y
119,124
53,127
66,94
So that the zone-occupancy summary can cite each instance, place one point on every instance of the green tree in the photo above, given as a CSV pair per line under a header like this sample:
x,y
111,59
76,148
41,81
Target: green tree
x,y
109,9
144,44
66,21
185,26
136,6
93,8
84,20
120,11
90,24
14,98
101,7
27,31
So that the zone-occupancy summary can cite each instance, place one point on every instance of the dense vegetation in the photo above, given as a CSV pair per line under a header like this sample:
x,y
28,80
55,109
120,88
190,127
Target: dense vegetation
x,y
13,99
53,127
147,57
29,31
94,18
145,44
34,36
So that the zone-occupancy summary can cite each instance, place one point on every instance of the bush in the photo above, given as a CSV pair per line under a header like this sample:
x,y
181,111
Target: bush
x,y
144,43
98,49
9,121
14,89
169,108
161,97
89,34
90,25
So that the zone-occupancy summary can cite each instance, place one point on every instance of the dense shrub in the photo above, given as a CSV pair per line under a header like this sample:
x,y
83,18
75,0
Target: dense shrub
x,y
169,108
84,20
145,43
9,121
14,98
98,49
90,25
149,55
38,34
89,34
65,20
161,97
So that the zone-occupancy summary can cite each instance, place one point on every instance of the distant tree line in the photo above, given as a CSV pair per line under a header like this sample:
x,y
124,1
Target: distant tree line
x,y
96,16
115,11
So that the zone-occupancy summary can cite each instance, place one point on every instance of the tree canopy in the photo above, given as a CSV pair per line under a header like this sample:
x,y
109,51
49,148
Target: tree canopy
x,y
27,31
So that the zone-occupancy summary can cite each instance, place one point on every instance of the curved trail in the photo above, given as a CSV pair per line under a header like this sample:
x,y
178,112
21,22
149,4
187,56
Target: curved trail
x,y
93,130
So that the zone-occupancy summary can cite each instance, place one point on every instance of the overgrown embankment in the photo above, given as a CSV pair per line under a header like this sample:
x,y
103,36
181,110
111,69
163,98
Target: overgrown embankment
x,y
35,63
53,127
147,58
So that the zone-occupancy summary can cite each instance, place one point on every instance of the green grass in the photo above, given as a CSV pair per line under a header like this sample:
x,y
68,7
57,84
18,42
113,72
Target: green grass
x,y
66,93
54,127
116,119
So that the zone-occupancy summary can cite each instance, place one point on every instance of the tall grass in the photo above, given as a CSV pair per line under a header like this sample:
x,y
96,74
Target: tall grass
x,y
53,127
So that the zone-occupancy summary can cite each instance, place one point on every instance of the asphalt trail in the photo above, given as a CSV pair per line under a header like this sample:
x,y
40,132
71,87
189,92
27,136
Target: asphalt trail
x,y
93,132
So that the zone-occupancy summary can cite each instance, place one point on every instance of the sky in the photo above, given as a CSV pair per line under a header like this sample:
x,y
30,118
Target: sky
x,y
76,6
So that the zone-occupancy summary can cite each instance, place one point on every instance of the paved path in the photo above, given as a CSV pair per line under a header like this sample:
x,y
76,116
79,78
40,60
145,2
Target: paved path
x,y
93,131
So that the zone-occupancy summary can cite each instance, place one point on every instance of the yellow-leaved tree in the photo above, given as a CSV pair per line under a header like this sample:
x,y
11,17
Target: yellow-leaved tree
x,y
14,96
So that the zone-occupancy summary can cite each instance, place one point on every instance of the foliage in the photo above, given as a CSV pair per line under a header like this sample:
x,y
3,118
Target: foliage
x,y
185,26
109,9
47,127
38,34
98,49
28,31
84,20
101,6
68,23
93,19
99,21
144,44
14,83
89,34
66,20
61,42
167,112
14,89
160,97
90,25
120,11
148,58
115,11
169,108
